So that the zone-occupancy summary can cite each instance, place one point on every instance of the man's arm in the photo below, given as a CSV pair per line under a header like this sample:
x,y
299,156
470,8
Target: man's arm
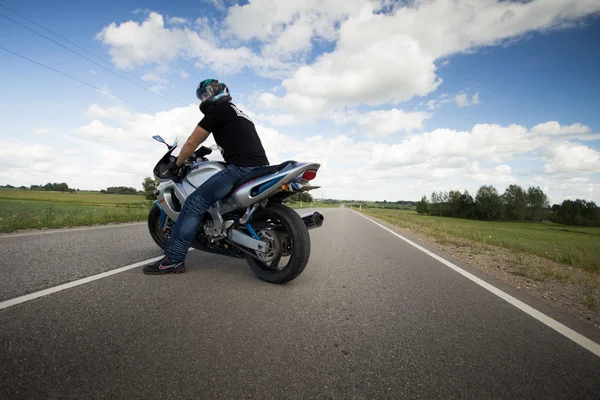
x,y
196,139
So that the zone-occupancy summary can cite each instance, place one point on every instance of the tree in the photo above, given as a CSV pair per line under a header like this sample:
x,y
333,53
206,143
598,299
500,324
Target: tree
x,y
434,208
120,190
488,203
303,196
537,201
453,203
150,186
423,206
61,187
515,202
306,197
466,207
576,212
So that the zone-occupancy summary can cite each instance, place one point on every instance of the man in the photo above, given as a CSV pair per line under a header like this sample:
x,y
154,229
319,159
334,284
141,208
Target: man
x,y
242,150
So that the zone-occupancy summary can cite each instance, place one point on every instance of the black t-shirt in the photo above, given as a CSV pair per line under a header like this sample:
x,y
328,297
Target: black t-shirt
x,y
235,133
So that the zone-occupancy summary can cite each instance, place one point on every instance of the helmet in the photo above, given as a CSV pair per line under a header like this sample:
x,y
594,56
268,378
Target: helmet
x,y
210,91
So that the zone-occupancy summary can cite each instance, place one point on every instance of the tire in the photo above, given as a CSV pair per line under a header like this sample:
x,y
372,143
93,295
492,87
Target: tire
x,y
298,236
160,238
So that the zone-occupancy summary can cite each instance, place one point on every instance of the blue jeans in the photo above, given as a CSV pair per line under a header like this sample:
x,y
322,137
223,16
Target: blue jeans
x,y
194,207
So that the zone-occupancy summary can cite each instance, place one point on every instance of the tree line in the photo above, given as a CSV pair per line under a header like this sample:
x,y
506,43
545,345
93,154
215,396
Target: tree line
x,y
515,204
120,190
53,187
64,187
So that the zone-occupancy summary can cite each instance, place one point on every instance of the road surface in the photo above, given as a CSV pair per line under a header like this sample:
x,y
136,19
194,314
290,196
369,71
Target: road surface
x,y
371,317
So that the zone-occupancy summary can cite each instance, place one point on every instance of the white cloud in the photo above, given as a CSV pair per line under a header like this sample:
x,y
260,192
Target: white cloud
x,y
554,128
499,175
382,123
111,113
372,44
41,131
265,20
98,130
218,4
177,21
157,88
141,11
151,77
572,158
462,99
183,74
133,44
280,119
93,72
341,78
16,154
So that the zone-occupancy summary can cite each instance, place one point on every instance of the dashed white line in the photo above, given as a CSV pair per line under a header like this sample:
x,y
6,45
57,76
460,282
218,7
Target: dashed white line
x,y
67,230
46,292
543,318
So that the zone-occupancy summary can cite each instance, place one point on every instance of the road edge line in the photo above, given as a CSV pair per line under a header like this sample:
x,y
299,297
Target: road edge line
x,y
569,333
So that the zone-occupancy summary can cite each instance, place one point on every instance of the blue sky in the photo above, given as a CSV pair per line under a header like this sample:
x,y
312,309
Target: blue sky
x,y
392,110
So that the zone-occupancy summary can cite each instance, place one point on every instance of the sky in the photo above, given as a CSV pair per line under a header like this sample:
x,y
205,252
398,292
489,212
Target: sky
x,y
395,99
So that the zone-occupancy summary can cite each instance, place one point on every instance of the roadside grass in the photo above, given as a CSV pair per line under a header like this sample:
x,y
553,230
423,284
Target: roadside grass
x,y
36,214
81,197
572,245
30,209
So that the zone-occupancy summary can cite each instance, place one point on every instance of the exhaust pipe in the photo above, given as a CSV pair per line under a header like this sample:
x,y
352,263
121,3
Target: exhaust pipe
x,y
314,220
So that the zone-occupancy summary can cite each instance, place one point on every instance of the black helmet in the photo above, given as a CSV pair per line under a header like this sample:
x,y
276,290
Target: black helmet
x,y
210,91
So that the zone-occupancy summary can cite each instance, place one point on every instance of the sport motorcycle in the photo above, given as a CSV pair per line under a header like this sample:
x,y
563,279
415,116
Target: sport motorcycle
x,y
251,222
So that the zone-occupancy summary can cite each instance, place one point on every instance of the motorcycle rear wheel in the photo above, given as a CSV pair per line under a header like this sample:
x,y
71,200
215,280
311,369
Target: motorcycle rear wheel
x,y
291,233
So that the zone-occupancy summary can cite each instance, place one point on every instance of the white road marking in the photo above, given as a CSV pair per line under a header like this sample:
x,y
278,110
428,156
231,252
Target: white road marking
x,y
66,230
543,318
68,285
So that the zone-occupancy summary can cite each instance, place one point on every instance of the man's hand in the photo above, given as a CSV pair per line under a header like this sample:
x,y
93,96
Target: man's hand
x,y
172,169
196,139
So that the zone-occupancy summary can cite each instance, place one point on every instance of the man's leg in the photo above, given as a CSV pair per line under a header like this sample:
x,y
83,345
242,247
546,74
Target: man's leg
x,y
194,207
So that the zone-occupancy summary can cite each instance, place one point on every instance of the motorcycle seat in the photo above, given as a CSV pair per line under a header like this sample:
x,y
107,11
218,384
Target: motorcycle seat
x,y
262,171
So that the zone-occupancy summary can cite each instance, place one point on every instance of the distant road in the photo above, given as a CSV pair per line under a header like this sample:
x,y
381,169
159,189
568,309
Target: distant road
x,y
371,317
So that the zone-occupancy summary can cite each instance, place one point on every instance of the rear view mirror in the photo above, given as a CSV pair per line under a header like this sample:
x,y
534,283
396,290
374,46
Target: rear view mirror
x,y
160,139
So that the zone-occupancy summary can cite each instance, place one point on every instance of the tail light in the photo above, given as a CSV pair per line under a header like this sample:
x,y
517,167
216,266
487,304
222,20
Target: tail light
x,y
309,175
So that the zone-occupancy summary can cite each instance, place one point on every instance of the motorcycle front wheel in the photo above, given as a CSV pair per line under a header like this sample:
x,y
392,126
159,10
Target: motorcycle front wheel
x,y
288,244
160,238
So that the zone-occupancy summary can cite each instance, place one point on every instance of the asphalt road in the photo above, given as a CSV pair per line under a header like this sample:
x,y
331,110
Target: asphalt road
x,y
370,317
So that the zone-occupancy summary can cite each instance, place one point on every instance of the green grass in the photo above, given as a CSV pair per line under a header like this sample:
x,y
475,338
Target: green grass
x,y
29,209
28,214
573,245
81,197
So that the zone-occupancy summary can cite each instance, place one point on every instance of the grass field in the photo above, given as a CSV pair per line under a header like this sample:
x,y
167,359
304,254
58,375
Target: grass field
x,y
28,214
76,197
576,246
28,209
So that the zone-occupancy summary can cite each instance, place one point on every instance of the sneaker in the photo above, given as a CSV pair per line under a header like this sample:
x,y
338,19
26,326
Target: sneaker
x,y
165,266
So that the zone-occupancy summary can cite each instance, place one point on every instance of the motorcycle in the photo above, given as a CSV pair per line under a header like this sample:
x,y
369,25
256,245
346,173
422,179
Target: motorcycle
x,y
251,222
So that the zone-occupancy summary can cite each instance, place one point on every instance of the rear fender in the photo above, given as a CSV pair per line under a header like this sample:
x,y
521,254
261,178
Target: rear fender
x,y
263,187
